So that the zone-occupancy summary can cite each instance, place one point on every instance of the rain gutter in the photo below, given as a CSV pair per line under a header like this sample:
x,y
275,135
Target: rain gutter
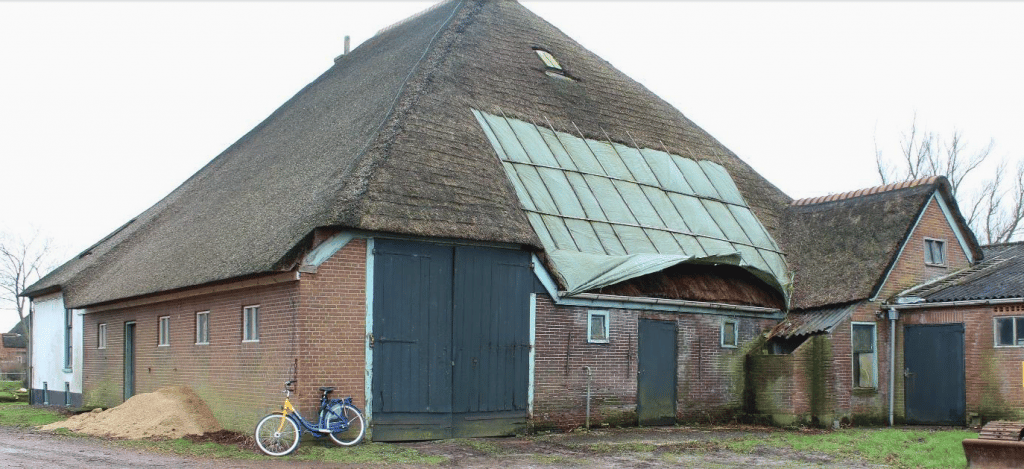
x,y
921,304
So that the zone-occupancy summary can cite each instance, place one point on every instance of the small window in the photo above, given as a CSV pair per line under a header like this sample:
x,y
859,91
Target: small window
x,y
548,59
934,252
597,327
251,324
203,328
1009,331
165,331
101,336
729,333
865,365
68,315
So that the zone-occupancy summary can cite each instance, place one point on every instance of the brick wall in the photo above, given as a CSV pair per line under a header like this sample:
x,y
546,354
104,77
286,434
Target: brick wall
x,y
993,374
710,378
315,324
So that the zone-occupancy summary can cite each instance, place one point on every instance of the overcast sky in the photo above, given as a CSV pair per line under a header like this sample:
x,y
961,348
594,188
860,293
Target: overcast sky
x,y
107,107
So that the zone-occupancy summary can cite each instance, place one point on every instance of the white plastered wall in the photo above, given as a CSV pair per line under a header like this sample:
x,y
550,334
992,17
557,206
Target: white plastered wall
x,y
48,345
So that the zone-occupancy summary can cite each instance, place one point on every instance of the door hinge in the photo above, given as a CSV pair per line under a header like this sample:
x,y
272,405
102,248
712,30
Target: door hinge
x,y
369,339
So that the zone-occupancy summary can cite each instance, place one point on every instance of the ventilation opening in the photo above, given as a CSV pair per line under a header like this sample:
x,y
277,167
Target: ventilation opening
x,y
46,394
67,394
781,346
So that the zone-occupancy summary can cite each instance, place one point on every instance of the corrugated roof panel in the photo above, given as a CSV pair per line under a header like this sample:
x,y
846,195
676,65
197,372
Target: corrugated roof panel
x,y
531,140
690,245
506,138
639,205
612,204
611,242
723,183
637,164
695,177
610,160
517,183
725,221
753,229
490,136
586,238
561,192
555,226
634,240
642,209
563,158
581,154
811,322
534,185
667,172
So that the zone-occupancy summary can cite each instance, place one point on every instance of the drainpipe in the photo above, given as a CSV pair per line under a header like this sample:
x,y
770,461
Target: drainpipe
x,y
893,316
589,375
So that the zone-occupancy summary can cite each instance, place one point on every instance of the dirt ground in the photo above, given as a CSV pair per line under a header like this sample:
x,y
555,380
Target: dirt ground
x,y
625,448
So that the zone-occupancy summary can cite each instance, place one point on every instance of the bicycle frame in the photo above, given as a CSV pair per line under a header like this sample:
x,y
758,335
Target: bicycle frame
x,y
318,429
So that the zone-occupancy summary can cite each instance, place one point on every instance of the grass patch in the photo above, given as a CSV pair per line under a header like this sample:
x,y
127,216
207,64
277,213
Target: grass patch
x,y
9,392
484,447
893,447
20,414
308,450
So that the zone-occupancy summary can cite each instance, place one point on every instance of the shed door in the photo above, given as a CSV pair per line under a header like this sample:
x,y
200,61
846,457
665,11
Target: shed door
x,y
656,373
935,381
451,328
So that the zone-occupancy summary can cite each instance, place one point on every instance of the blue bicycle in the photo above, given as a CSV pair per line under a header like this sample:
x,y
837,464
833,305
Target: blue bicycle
x,y
279,433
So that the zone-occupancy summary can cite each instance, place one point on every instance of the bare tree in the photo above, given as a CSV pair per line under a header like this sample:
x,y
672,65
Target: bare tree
x,y
994,211
22,262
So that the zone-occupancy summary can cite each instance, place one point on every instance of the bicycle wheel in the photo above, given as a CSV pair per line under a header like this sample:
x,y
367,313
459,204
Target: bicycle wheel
x,y
277,443
338,415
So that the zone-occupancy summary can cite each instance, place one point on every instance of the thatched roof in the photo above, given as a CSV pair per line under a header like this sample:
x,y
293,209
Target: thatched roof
x,y
386,141
1000,276
841,246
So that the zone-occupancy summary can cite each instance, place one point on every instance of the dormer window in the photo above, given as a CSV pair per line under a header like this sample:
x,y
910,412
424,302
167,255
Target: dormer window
x,y
551,65
934,252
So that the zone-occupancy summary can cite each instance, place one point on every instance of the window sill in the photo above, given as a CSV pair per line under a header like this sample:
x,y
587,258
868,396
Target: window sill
x,y
68,370
202,343
865,392
935,265
593,341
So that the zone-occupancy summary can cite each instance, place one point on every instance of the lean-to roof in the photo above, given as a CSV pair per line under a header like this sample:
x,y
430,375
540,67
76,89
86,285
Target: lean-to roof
x,y
386,141
999,276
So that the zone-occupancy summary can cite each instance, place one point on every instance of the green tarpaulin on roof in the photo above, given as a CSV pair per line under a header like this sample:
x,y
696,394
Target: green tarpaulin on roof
x,y
607,212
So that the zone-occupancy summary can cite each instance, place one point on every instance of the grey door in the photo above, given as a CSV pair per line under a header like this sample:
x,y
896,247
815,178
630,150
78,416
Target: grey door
x,y
129,360
656,373
934,375
451,329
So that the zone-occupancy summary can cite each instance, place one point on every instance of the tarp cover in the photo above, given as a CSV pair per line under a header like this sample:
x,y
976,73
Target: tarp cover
x,y
607,212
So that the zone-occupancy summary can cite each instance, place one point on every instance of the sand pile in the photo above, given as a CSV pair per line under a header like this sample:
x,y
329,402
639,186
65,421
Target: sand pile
x,y
170,412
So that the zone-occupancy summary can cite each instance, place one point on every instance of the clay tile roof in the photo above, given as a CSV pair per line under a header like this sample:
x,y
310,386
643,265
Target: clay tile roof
x,y
925,181
386,141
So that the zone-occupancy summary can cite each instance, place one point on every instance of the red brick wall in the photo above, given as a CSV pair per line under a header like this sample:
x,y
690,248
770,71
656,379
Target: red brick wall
x,y
710,378
316,323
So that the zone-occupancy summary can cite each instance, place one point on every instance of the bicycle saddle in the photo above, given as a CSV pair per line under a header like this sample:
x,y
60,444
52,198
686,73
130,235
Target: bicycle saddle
x,y
327,390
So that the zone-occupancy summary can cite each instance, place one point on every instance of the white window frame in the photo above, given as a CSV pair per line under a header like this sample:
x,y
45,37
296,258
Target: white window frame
x,y
101,335
874,348
995,331
735,333
942,249
549,59
590,327
251,323
203,328
164,331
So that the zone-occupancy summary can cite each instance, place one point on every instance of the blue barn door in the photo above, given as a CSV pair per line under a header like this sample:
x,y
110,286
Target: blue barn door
x,y
656,373
451,340
935,381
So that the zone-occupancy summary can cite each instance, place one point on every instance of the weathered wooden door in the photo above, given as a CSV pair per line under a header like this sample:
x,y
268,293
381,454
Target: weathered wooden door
x,y
656,373
451,328
934,378
129,360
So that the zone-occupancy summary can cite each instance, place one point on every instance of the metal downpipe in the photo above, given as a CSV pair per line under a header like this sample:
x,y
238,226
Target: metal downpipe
x,y
589,375
893,315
